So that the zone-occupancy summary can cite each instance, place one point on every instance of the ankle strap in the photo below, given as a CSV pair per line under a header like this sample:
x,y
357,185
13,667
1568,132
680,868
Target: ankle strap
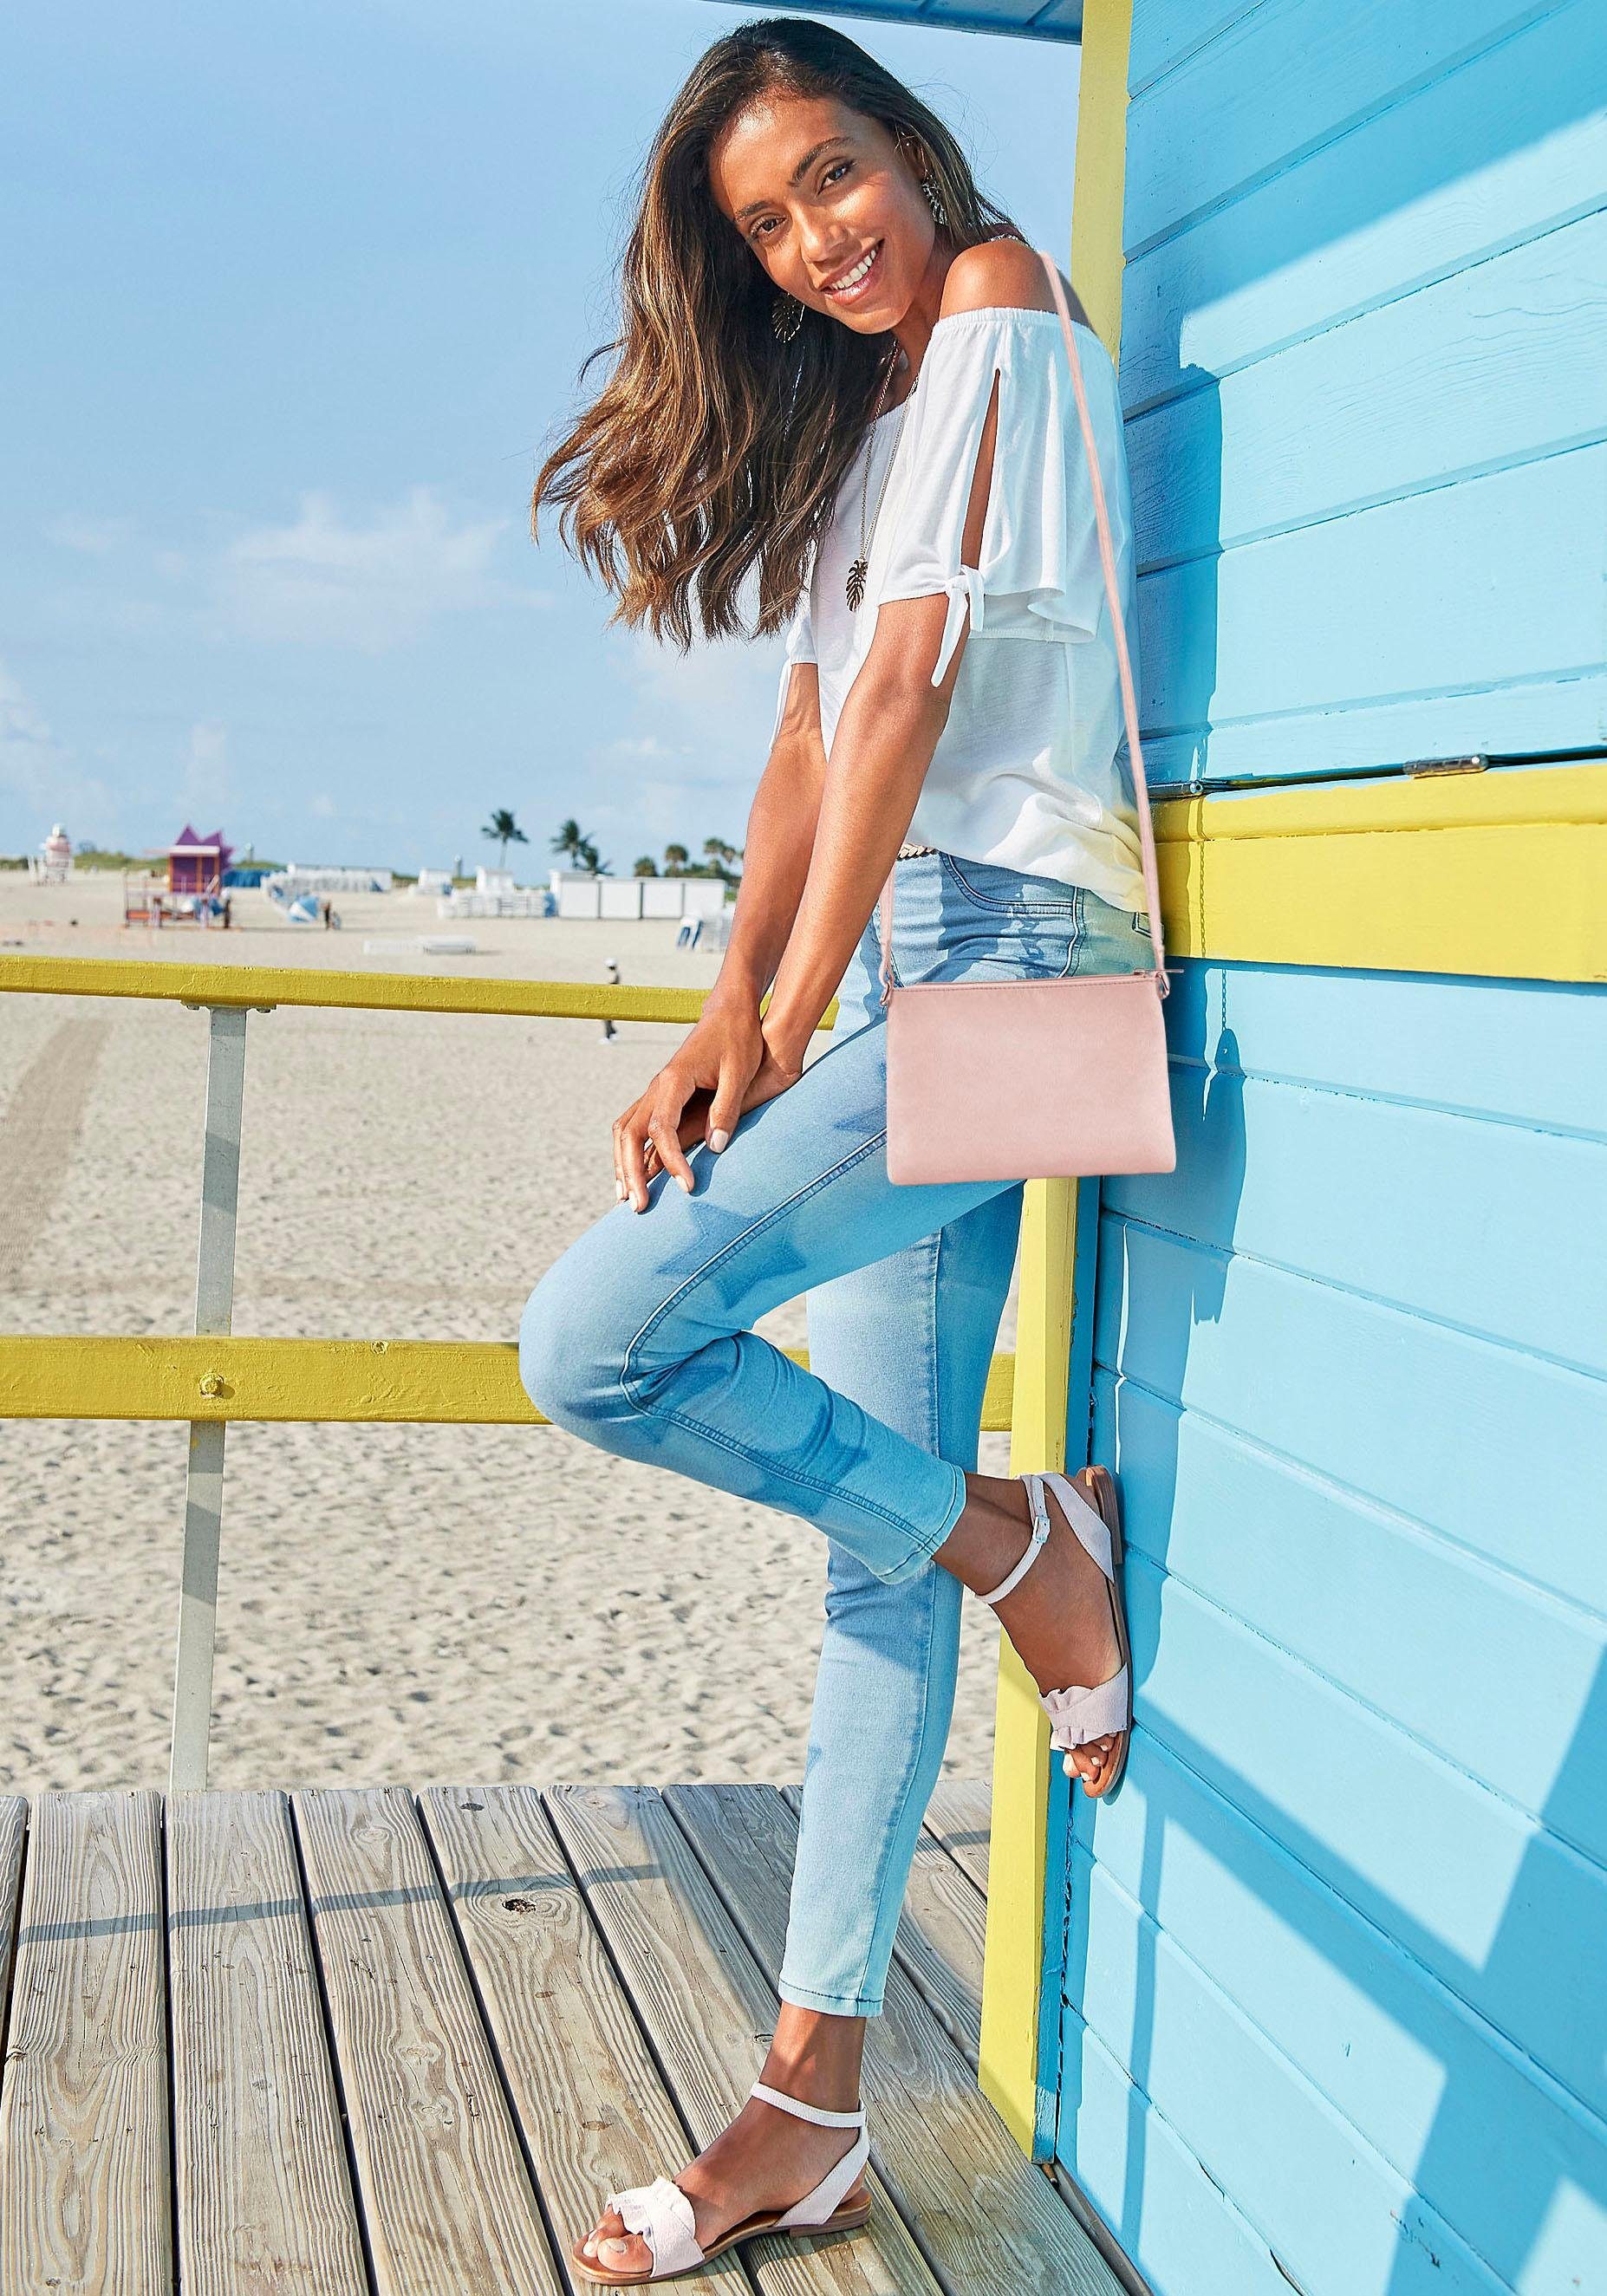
x,y
1040,1532
809,2112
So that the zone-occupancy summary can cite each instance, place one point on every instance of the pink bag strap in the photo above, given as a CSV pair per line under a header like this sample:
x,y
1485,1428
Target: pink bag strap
x,y
1129,699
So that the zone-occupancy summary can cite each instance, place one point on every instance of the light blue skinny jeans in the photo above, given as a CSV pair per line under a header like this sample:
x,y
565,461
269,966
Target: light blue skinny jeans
x,y
640,1340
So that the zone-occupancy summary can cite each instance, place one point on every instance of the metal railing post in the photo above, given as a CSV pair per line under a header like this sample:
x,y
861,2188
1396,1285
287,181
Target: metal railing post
x,y
214,1314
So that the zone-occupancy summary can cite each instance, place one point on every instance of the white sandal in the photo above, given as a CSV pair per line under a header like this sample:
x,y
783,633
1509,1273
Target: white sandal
x,y
1078,1714
662,2213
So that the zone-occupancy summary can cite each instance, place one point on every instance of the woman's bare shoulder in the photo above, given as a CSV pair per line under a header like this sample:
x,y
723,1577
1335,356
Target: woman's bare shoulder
x,y
1002,275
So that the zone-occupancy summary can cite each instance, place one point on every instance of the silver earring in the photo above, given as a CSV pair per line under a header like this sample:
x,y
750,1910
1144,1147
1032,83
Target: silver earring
x,y
786,317
934,201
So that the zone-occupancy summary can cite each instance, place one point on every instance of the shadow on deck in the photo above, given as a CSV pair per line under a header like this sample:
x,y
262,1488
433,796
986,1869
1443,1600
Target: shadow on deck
x,y
340,2042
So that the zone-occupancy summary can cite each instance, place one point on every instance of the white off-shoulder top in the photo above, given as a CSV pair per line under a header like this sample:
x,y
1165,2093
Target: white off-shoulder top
x,y
1030,770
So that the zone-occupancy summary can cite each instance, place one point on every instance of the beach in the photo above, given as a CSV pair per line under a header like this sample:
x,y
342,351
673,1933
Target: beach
x,y
409,1604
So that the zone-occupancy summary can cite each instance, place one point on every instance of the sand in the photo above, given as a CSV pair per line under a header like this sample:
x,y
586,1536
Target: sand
x,y
410,1604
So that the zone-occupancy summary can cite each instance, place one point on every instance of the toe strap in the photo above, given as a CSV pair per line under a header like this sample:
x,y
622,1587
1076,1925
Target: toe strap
x,y
1076,1715
662,2214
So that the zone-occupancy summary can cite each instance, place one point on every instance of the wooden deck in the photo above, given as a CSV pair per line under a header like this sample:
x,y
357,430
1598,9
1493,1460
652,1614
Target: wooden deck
x,y
330,2043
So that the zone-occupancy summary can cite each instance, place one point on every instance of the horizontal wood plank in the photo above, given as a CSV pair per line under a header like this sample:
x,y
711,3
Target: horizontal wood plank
x,y
697,1988
1494,366
1441,1414
932,2132
84,2162
1148,2188
446,2197
1385,635
264,2201
1405,1620
1281,81
959,1816
1374,216
590,2101
13,1834
1464,2119
1411,1842
1316,2188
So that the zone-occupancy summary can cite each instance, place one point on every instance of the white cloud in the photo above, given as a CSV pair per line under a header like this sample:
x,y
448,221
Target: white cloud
x,y
38,771
325,581
688,768
323,807
95,538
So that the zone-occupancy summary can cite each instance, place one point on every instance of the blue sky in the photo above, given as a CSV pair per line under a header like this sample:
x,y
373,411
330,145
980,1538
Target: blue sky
x,y
293,299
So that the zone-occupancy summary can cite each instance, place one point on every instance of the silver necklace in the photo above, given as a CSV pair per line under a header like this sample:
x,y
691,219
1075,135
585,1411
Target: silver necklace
x,y
860,569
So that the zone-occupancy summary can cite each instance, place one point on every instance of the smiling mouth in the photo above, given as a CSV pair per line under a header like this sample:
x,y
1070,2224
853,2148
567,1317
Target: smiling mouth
x,y
849,285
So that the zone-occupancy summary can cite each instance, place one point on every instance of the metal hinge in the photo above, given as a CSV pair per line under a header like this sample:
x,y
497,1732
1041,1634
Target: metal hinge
x,y
1419,767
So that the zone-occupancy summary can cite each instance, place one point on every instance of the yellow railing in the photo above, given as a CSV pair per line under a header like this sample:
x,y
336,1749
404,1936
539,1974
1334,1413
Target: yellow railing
x,y
210,1376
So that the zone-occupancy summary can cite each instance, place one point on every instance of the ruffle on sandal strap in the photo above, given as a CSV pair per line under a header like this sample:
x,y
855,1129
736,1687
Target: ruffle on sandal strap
x,y
1076,1715
662,2213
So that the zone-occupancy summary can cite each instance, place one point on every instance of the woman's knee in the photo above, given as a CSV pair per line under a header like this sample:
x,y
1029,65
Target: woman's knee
x,y
572,1352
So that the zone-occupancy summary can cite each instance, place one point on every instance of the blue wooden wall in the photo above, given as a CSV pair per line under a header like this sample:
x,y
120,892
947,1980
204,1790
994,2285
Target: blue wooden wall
x,y
1335,1991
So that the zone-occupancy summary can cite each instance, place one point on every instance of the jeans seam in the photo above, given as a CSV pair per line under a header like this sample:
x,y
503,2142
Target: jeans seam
x,y
737,1243
917,1739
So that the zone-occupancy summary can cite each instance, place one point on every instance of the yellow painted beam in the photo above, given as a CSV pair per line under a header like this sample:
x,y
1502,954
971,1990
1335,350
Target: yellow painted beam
x,y
1099,183
1501,873
410,1381
1013,1953
262,986
1013,1958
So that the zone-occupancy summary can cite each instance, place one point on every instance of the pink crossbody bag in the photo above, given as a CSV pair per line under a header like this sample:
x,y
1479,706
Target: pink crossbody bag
x,y
1036,1079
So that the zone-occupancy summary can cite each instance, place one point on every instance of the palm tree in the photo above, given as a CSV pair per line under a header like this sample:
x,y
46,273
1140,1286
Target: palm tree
x,y
575,846
503,830
676,857
585,858
644,865
721,856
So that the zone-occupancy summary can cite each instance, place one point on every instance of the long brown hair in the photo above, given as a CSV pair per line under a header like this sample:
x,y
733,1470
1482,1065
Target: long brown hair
x,y
714,448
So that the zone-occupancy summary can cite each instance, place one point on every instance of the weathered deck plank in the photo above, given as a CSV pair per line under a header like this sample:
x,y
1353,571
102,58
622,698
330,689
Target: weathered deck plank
x,y
698,1991
14,1830
446,2197
584,2006
933,2135
263,2199
84,2190
960,1815
942,1931
590,2101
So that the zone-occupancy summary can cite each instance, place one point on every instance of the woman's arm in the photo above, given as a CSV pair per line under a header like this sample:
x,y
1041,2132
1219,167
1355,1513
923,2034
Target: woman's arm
x,y
879,753
699,1094
775,859
892,717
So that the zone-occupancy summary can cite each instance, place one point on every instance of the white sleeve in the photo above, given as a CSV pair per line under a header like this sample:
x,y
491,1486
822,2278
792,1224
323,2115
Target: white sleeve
x,y
800,647
1040,542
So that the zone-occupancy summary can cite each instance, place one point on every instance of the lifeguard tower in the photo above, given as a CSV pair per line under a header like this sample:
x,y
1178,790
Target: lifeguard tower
x,y
193,894
53,862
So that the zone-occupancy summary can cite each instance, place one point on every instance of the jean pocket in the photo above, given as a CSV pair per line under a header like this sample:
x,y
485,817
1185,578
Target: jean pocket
x,y
1006,893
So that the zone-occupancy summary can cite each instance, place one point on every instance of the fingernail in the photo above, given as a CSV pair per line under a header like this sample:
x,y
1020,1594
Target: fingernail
x,y
685,1181
620,1191
718,1140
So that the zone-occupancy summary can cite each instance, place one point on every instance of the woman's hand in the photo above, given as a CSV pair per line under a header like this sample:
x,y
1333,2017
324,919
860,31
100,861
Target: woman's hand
x,y
697,1095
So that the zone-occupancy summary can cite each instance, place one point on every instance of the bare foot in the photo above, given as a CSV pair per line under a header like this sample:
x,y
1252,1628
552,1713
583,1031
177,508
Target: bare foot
x,y
1059,1615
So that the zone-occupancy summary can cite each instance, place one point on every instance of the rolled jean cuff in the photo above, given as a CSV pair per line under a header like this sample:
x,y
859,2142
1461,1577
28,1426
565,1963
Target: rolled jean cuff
x,y
918,1557
832,2004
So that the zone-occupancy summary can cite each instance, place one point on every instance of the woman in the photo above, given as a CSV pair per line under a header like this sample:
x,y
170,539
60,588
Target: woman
x,y
841,375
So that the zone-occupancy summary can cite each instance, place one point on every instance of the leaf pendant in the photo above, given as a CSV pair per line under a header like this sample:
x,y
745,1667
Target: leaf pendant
x,y
856,583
